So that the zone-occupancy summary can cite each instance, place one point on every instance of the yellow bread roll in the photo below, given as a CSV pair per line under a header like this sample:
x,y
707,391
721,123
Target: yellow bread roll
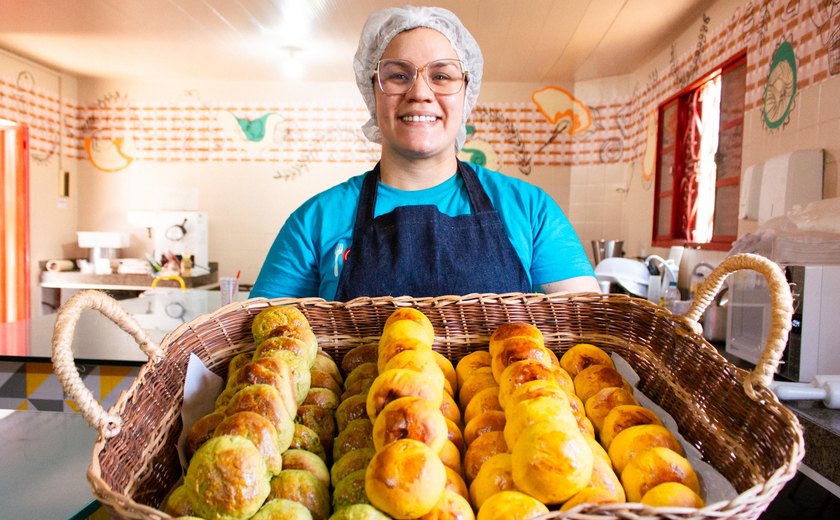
x,y
451,506
551,464
450,409
405,479
672,494
359,355
489,421
479,380
511,505
420,361
520,372
455,482
519,348
599,405
622,417
410,418
481,449
547,409
265,400
584,355
448,370
655,466
494,476
483,401
403,329
258,430
512,330
589,495
401,382
411,314
395,346
594,378
450,455
636,439
455,434
604,478
470,363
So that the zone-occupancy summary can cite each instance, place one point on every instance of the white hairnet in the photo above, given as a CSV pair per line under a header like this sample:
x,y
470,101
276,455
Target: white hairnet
x,y
380,29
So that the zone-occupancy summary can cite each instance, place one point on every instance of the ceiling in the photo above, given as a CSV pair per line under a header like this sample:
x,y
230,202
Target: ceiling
x,y
539,41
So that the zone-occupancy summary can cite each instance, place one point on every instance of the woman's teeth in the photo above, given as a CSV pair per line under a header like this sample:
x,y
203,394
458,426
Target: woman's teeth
x,y
419,119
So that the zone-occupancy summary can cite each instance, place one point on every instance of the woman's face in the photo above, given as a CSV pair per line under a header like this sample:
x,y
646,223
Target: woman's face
x,y
435,131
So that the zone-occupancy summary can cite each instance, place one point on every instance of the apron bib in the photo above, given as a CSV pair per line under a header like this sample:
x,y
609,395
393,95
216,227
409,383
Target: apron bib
x,y
420,252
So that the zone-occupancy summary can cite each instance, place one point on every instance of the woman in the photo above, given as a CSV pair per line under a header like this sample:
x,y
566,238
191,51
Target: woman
x,y
422,223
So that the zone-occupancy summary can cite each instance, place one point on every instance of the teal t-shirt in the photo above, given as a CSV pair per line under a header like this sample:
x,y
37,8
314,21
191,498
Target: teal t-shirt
x,y
308,254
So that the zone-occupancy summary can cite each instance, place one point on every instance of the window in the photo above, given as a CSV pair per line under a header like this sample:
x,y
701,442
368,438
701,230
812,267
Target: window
x,y
698,167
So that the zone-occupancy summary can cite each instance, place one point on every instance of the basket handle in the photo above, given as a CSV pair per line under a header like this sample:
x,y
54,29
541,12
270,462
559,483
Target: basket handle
x,y
62,353
781,305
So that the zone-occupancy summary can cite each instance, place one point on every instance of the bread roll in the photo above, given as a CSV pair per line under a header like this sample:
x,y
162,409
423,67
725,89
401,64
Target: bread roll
x,y
479,380
489,421
622,417
494,476
655,466
359,355
636,439
513,330
511,505
284,509
483,401
401,382
519,348
307,461
351,461
258,430
415,315
481,449
306,438
604,400
592,379
304,488
274,321
358,434
410,418
584,355
470,363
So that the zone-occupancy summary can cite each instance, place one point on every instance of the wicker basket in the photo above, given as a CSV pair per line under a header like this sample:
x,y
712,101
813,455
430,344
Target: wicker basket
x,y
728,414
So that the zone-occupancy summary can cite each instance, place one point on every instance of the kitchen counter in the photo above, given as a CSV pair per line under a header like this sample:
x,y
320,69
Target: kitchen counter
x,y
117,281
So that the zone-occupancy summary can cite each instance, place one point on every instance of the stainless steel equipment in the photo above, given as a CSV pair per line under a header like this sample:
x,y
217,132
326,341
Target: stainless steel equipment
x,y
606,249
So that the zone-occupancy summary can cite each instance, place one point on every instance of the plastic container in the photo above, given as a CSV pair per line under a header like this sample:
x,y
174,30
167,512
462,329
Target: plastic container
x,y
670,296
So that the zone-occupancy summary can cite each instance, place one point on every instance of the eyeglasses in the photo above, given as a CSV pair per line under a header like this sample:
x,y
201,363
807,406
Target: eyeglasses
x,y
444,77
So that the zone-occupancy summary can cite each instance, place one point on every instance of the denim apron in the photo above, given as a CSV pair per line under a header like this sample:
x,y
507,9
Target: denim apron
x,y
419,251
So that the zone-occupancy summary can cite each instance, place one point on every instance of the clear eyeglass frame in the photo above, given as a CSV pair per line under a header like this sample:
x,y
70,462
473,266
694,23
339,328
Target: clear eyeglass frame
x,y
396,77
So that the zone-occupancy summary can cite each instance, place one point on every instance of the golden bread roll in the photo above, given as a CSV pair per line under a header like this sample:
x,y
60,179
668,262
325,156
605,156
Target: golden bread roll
x,y
483,401
363,371
301,346
564,379
589,495
420,361
470,363
450,455
258,430
636,439
451,506
604,400
305,438
325,363
519,348
352,461
307,461
455,434
536,388
551,464
622,417
227,478
592,379
403,329
177,503
481,449
350,491
604,478
494,476
201,431
354,407
359,512
511,505
655,466
455,482
411,314
584,355
321,379
539,410
282,508
513,330
274,321
269,371
236,363
321,421
359,355
672,494
360,386
448,370
323,397
357,435
480,379
410,418
265,400
401,382
405,479
489,421
449,408
519,373
304,488
395,346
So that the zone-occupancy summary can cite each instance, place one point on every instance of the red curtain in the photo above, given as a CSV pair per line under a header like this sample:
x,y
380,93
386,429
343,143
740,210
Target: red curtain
x,y
14,246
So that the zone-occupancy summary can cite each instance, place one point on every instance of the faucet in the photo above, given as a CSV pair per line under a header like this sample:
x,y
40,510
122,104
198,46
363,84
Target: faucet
x,y
666,266
697,267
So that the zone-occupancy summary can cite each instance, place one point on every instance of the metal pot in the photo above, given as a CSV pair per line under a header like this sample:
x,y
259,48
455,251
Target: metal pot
x,y
714,319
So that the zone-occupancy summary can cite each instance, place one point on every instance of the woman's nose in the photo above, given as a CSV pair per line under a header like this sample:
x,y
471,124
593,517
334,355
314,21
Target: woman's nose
x,y
420,89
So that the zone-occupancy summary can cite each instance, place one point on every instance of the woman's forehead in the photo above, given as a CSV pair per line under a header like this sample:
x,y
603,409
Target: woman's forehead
x,y
420,43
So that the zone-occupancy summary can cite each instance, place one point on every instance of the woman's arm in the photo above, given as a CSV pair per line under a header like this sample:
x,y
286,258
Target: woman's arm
x,y
572,285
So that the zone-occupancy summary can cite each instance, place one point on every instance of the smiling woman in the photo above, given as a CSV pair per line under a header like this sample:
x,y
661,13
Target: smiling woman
x,y
422,223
